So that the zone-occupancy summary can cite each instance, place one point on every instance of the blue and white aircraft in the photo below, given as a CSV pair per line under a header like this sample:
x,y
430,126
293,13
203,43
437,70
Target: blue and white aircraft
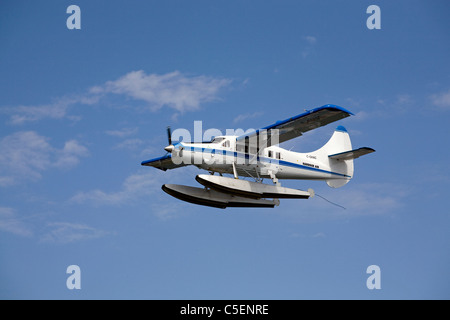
x,y
256,155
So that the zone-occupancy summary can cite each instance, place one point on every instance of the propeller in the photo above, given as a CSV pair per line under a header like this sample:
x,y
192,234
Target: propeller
x,y
170,147
169,135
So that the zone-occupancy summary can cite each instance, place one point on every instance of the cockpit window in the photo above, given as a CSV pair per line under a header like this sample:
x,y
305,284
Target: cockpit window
x,y
217,140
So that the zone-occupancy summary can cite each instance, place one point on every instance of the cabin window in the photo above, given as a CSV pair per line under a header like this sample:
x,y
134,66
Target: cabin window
x,y
270,154
278,155
226,144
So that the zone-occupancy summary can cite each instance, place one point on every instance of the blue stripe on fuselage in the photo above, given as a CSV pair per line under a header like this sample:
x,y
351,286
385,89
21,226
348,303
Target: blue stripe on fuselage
x,y
261,159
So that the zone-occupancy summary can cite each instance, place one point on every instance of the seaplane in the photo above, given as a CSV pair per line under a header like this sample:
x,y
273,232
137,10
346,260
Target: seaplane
x,y
255,155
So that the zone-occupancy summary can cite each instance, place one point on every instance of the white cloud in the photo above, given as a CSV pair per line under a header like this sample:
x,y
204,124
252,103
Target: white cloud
x,y
130,144
26,154
54,232
123,133
361,116
173,90
404,98
311,42
56,110
359,200
65,232
10,222
127,144
372,198
134,187
6,181
310,39
300,235
22,114
70,155
246,116
441,100
168,210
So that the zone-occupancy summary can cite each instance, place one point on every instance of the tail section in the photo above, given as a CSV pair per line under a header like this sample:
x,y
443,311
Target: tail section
x,y
338,143
339,155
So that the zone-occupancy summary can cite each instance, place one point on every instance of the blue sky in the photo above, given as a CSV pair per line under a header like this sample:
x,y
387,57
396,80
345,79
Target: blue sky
x,y
80,109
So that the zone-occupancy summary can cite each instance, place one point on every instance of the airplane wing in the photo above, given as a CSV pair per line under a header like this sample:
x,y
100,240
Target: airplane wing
x,y
296,126
162,163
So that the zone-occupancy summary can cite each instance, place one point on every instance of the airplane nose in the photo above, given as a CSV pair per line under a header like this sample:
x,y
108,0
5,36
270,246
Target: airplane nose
x,y
169,148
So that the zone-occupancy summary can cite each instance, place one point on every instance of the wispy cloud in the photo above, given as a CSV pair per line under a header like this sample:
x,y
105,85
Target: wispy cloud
x,y
126,144
52,232
311,41
301,235
22,114
65,232
10,222
70,155
122,133
441,100
174,90
168,210
26,154
386,106
246,116
56,110
404,99
129,144
134,187
358,199
372,198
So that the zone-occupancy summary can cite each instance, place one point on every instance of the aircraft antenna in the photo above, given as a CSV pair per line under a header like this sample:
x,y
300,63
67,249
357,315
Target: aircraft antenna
x,y
338,205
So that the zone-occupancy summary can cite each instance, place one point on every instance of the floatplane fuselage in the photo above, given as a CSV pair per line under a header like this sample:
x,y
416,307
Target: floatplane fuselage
x,y
257,155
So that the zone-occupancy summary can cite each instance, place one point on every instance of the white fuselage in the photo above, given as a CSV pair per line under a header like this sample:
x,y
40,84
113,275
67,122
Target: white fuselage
x,y
220,154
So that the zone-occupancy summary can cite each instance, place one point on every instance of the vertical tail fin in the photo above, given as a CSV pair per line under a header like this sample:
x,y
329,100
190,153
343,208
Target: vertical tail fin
x,y
338,143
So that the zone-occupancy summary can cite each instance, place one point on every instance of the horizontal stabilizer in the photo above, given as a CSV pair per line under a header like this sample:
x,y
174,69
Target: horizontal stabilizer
x,y
353,154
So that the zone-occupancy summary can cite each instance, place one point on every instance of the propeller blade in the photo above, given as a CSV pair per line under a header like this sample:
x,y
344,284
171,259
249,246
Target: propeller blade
x,y
169,135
